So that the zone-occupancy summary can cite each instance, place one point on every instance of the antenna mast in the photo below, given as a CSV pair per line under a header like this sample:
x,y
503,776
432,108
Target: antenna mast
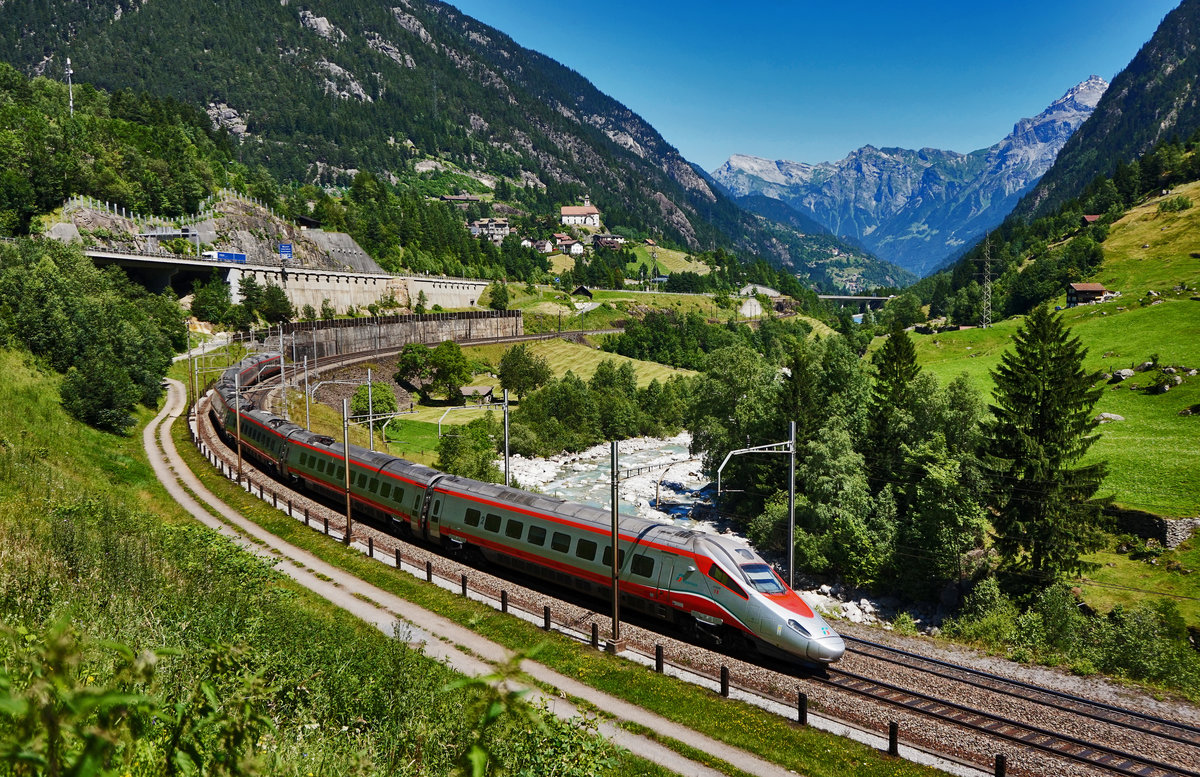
x,y
70,89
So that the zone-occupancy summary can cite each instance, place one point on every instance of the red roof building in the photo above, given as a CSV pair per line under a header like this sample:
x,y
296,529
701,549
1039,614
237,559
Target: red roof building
x,y
1084,293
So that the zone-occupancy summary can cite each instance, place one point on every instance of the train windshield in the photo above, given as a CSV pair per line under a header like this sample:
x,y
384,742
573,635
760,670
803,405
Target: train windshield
x,y
763,579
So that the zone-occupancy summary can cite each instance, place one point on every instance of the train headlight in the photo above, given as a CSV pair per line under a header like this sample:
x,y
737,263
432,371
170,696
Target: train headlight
x,y
798,627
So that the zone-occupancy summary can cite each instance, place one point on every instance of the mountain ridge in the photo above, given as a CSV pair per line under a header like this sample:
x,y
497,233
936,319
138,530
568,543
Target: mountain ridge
x,y
918,208
319,92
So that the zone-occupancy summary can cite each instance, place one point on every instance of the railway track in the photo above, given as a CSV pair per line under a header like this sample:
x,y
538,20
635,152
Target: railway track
x,y
1177,755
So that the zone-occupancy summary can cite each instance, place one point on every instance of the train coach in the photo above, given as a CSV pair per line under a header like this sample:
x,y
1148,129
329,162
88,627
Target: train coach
x,y
720,588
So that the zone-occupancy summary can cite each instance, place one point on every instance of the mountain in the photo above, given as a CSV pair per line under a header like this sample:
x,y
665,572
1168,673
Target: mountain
x,y
1155,98
919,208
320,90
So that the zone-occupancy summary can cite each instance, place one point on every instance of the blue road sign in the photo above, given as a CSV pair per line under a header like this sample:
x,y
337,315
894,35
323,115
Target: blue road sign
x,y
285,250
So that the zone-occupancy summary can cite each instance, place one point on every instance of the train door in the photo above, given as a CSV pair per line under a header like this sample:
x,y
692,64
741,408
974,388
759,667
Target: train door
x,y
431,511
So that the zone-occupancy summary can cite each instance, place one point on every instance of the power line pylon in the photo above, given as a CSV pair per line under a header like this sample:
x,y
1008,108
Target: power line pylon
x,y
986,316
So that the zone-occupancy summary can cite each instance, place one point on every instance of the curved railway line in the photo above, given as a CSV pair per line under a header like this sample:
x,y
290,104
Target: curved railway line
x,y
939,701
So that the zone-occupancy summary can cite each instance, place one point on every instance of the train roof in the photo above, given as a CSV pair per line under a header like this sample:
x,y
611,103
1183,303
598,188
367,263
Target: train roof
x,y
663,533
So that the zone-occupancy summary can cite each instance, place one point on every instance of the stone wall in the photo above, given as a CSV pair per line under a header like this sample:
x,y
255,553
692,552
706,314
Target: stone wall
x,y
317,339
1168,531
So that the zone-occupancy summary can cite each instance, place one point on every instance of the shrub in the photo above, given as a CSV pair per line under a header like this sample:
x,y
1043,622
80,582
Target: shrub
x,y
904,624
1175,204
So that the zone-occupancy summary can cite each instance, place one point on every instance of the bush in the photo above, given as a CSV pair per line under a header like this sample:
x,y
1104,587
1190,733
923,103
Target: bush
x,y
1175,204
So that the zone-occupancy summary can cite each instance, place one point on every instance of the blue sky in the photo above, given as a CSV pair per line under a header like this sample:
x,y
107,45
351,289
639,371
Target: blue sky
x,y
811,81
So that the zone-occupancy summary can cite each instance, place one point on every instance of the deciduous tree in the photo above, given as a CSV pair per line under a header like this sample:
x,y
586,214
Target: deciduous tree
x,y
522,371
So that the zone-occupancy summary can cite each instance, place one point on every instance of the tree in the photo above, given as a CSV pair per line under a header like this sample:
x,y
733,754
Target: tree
x,y
422,301
470,450
451,370
896,367
379,400
328,311
413,364
522,371
309,313
100,392
210,300
251,293
275,307
1046,516
498,296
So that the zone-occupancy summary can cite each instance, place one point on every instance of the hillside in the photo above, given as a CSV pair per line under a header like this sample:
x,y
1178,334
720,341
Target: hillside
x,y
1155,98
917,208
320,92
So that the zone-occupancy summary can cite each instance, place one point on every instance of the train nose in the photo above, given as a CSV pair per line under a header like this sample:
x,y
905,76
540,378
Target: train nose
x,y
826,650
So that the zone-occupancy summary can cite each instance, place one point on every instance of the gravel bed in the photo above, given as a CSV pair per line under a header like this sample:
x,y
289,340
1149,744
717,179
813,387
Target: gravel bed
x,y
915,729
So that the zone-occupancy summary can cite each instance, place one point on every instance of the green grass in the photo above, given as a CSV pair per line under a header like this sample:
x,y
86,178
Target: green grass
x,y
1118,573
1152,454
669,261
803,749
1171,237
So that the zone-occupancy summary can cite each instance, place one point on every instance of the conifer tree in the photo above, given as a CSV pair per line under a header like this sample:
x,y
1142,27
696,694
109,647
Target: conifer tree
x,y
896,367
1046,514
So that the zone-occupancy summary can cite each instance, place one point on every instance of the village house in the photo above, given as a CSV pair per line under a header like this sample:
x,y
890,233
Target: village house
x,y
586,215
559,237
1086,293
571,247
490,229
543,246
607,241
526,243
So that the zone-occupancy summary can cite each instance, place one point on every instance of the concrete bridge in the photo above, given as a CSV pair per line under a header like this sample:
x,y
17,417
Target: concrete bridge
x,y
863,303
303,285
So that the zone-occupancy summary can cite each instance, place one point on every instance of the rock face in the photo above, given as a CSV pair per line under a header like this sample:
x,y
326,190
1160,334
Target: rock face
x,y
918,209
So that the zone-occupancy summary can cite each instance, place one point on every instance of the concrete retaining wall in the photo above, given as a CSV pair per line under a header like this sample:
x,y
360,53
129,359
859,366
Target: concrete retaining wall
x,y
316,339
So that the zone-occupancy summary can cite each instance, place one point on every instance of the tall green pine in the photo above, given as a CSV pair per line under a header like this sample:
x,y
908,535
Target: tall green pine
x,y
1046,516
895,368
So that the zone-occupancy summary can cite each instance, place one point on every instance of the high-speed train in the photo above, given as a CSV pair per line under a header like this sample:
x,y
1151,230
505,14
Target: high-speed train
x,y
718,587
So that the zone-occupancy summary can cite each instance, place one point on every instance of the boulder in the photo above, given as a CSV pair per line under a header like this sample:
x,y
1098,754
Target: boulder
x,y
1105,418
852,613
1168,370
1144,366
1121,375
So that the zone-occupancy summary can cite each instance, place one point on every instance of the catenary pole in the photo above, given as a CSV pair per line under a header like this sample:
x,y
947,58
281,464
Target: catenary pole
x,y
346,454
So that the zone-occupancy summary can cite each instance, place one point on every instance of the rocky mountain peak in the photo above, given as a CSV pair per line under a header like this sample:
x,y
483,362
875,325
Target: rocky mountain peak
x,y
918,208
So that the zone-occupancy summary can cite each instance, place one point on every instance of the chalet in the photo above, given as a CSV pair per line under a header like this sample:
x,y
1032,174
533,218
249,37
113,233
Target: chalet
x,y
307,222
1090,219
544,246
561,236
478,394
650,242
607,241
1085,293
582,291
491,229
586,215
526,243
571,247
618,239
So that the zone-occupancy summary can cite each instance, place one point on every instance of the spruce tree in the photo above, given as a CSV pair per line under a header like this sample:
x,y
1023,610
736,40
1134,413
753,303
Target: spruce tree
x,y
1046,516
896,367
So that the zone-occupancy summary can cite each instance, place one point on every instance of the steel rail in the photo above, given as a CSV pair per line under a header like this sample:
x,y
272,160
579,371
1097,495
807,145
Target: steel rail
x,y
1089,753
1067,697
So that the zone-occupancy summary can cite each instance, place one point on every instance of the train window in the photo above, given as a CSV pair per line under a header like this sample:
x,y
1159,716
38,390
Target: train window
x,y
385,490
763,579
586,550
437,507
472,517
399,495
492,522
722,577
340,473
606,559
642,566
321,465
560,542
537,536
513,529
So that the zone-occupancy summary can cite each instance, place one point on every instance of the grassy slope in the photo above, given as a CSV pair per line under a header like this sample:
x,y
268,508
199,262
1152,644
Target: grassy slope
x,y
669,261
1152,455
